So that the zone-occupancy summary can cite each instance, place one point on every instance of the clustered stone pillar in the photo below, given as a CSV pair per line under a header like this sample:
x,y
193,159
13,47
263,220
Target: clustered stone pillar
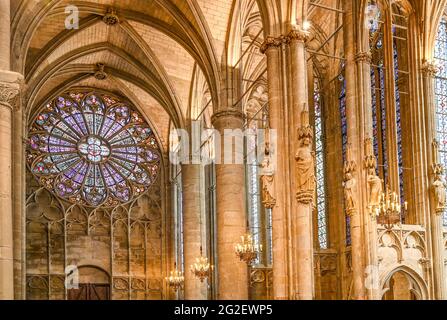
x,y
304,180
10,83
272,49
194,289
354,203
230,210
437,188
9,100
293,271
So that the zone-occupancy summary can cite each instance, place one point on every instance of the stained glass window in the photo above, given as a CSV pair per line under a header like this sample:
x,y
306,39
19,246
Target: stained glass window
x,y
441,94
320,177
344,137
92,149
253,187
398,124
378,96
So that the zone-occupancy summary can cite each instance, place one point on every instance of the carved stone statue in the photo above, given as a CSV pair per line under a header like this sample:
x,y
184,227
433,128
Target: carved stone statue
x,y
305,170
267,181
440,193
375,188
350,185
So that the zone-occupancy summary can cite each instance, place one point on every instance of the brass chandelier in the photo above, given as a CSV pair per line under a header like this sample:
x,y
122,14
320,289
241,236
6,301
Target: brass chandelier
x,y
175,279
247,250
389,210
201,268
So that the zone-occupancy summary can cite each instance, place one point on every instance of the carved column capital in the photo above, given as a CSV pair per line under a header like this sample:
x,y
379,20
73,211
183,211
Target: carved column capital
x,y
271,42
429,69
227,114
297,34
9,95
363,57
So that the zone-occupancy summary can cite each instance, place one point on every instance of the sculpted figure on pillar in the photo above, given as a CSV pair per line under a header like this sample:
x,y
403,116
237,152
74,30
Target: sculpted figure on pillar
x,y
267,179
440,194
350,182
305,161
350,185
374,182
438,184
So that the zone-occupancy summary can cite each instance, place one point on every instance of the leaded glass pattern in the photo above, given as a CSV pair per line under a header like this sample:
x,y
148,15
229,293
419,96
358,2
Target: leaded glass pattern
x,y
320,176
253,186
441,94
398,125
344,137
378,100
92,149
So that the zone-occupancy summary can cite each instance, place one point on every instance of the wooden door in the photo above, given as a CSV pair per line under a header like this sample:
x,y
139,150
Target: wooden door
x,y
90,291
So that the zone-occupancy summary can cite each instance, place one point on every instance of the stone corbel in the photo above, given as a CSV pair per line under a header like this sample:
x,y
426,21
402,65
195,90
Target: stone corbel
x,y
424,262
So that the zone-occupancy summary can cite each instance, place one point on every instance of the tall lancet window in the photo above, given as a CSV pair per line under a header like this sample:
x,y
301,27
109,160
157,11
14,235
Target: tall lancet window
x,y
401,71
441,94
344,137
319,155
378,96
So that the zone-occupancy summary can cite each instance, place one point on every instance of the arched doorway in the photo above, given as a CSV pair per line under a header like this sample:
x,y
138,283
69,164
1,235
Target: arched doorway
x,y
403,285
94,284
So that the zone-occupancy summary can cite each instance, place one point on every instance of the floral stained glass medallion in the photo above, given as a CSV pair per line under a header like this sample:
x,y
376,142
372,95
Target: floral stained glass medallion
x,y
93,149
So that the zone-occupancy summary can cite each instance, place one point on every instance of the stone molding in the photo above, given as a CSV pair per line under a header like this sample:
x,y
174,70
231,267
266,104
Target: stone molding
x,y
295,34
9,95
429,69
363,57
227,113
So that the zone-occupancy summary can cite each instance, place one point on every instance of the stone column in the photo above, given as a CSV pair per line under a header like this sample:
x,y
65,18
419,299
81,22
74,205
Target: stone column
x,y
352,167
230,210
19,199
436,174
272,49
302,235
9,100
5,35
194,289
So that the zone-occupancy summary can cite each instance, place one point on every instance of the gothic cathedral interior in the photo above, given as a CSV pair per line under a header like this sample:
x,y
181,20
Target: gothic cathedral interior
x,y
223,149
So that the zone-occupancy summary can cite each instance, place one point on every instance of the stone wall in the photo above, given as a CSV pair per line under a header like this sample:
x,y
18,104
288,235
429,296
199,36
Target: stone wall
x,y
124,242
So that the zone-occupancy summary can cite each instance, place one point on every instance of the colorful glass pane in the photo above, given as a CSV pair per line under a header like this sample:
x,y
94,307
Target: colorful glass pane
x,y
344,137
441,94
92,149
320,176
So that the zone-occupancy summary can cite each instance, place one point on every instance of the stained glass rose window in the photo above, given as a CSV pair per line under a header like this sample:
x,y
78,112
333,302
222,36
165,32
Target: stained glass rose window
x,y
93,149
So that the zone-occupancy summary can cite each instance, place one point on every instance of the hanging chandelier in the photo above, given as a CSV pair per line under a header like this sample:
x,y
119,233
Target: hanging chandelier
x,y
389,210
201,268
246,250
175,279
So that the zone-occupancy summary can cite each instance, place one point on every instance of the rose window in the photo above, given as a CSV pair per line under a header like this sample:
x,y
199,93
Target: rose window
x,y
93,149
